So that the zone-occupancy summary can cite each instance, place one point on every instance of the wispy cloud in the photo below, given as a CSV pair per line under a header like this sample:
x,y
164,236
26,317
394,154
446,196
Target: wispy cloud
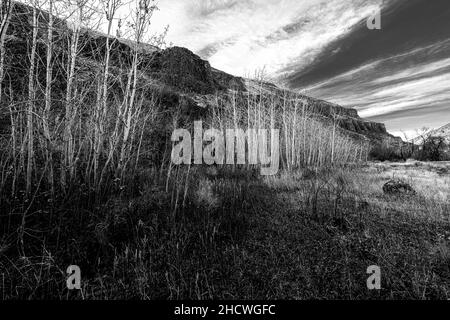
x,y
241,37
399,75
390,89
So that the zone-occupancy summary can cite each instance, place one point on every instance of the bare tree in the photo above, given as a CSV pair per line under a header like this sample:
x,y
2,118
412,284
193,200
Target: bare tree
x,y
5,16
48,96
434,148
141,21
6,10
80,16
110,8
335,117
31,98
422,135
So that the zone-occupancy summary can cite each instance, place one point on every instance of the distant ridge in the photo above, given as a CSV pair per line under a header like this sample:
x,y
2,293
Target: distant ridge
x,y
442,132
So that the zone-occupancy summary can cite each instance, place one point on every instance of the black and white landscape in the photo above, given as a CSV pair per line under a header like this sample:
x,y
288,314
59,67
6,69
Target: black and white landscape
x,y
225,150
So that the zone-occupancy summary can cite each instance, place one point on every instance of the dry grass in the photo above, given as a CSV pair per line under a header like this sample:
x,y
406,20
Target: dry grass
x,y
408,237
229,234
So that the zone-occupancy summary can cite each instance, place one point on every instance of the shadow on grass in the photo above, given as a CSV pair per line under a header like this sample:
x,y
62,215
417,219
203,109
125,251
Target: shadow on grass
x,y
204,233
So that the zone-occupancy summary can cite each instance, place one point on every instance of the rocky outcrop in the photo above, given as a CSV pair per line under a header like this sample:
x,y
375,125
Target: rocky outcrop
x,y
182,70
186,72
227,81
360,126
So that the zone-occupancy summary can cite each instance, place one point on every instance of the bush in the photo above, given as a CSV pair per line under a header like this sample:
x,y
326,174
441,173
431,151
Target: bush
x,y
384,152
434,149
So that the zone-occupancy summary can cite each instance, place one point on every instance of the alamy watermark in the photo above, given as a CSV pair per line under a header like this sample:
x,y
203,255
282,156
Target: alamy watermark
x,y
374,280
231,147
374,21
74,280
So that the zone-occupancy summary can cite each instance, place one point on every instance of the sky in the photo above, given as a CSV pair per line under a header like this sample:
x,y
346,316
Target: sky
x,y
399,75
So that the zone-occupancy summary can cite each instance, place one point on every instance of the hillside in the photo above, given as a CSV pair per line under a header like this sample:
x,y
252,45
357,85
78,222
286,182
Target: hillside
x,y
442,132
189,79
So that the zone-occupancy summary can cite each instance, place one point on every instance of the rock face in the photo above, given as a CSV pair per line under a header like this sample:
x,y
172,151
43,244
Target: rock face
x,y
360,126
227,81
179,68
348,119
186,72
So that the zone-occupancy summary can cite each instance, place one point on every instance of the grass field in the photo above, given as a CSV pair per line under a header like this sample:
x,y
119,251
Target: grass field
x,y
231,234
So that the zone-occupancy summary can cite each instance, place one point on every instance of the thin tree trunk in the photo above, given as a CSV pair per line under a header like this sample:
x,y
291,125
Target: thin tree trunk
x,y
70,111
103,94
333,139
6,18
128,113
106,69
48,97
294,127
31,98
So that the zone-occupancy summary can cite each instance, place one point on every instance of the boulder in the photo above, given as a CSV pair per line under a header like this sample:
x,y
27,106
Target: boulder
x,y
181,69
398,187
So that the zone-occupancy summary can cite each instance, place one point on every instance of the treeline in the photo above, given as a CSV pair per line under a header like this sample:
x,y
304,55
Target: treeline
x,y
427,148
307,139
